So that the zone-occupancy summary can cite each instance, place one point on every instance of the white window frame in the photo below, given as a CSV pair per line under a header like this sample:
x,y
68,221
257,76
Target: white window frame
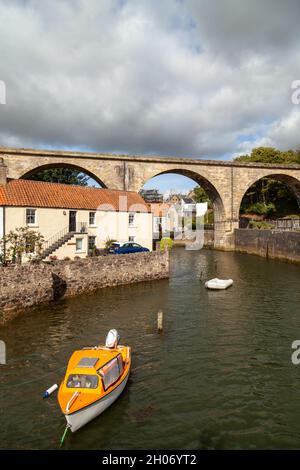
x,y
131,219
131,239
92,224
95,240
31,224
79,250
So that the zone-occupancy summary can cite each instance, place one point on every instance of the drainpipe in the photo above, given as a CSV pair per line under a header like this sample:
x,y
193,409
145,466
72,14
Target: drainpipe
x,y
124,175
231,199
3,232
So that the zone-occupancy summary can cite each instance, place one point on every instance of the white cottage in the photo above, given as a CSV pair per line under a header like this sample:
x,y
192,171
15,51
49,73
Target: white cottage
x,y
74,219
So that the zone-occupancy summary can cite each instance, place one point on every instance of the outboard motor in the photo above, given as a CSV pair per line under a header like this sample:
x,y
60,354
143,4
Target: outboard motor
x,y
112,339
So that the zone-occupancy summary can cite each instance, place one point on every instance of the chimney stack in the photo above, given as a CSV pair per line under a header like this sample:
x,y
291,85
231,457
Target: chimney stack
x,y
3,172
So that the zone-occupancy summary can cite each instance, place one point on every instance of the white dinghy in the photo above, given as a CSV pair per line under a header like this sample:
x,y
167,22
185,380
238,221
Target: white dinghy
x,y
218,284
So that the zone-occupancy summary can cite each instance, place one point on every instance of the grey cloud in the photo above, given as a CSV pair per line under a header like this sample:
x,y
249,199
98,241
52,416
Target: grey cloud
x,y
236,27
179,78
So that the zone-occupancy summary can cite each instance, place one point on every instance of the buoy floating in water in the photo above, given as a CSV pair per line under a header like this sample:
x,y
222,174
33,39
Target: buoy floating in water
x,y
50,390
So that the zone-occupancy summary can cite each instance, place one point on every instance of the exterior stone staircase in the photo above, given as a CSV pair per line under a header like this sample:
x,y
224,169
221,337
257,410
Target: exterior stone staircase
x,y
59,239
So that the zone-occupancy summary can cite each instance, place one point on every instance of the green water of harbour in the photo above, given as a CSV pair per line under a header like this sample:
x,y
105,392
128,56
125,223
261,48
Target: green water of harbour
x,y
219,377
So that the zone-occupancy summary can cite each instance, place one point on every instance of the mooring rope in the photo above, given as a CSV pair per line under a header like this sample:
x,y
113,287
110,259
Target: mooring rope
x,y
32,380
64,435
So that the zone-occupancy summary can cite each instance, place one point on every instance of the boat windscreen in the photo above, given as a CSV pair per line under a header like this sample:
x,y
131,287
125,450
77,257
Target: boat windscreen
x,y
82,381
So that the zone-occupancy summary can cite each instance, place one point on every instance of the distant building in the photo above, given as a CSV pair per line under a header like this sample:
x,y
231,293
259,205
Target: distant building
x,y
183,204
191,195
179,199
170,218
151,195
165,219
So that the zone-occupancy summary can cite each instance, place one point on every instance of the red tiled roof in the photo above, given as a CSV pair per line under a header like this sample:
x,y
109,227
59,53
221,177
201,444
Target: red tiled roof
x,y
159,209
54,195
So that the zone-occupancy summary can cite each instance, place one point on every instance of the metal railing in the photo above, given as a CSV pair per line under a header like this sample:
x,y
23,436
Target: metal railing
x,y
281,225
285,224
57,236
81,227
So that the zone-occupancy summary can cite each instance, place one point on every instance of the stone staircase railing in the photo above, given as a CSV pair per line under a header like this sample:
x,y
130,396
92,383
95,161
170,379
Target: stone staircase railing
x,y
60,238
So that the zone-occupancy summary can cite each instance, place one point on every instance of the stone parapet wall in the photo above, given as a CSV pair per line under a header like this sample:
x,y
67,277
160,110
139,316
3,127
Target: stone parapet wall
x,y
33,284
269,244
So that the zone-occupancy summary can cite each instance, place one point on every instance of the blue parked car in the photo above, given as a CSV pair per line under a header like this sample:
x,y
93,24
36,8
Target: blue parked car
x,y
129,248
113,247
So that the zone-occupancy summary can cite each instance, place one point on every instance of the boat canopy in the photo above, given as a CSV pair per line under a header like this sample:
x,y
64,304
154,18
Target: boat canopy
x,y
88,362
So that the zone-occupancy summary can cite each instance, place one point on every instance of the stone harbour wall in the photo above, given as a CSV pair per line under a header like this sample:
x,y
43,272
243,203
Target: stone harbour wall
x,y
29,285
269,244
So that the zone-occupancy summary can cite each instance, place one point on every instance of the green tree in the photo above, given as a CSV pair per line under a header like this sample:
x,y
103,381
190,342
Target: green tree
x,y
268,195
270,155
61,175
200,195
20,241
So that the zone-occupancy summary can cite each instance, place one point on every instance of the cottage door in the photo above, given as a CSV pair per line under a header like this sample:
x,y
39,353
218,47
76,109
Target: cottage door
x,y
72,221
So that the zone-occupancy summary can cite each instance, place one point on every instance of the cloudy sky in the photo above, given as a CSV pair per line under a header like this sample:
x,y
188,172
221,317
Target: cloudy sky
x,y
198,78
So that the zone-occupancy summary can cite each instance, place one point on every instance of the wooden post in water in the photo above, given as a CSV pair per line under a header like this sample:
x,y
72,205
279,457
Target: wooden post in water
x,y
160,317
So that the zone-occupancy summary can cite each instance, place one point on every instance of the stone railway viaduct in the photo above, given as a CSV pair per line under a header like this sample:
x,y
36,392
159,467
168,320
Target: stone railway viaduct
x,y
225,181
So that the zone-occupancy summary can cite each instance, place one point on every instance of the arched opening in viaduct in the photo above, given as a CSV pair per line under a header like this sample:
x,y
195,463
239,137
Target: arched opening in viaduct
x,y
270,197
39,172
215,201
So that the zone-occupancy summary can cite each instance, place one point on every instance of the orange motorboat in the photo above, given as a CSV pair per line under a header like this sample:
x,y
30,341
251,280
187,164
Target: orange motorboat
x,y
94,379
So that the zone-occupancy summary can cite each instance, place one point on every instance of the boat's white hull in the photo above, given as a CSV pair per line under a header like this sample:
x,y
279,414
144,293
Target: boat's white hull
x,y
218,284
80,418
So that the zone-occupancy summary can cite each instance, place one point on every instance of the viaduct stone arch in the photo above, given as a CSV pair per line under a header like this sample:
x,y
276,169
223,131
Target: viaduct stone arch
x,y
245,179
58,165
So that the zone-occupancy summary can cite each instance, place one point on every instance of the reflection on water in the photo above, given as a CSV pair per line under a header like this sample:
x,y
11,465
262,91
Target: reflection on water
x,y
220,375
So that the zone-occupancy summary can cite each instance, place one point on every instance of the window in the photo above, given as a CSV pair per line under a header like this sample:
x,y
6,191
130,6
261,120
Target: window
x,y
131,219
79,244
112,371
82,381
92,218
30,216
92,242
30,247
131,238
